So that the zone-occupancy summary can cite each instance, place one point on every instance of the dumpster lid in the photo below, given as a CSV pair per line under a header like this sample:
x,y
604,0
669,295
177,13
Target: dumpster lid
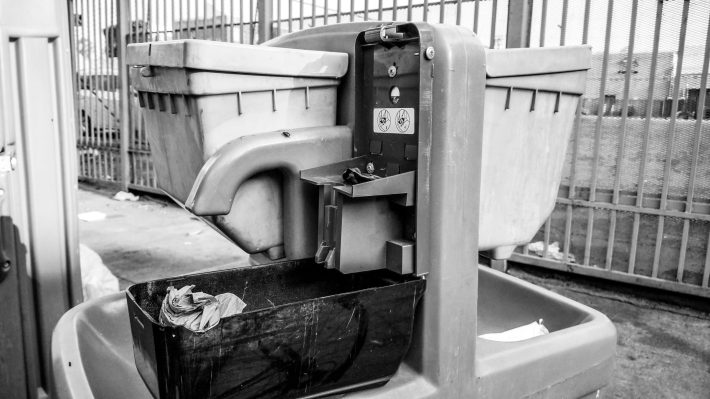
x,y
238,58
537,61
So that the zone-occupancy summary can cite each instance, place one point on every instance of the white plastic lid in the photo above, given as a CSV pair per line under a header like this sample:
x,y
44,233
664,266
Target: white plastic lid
x,y
238,58
537,61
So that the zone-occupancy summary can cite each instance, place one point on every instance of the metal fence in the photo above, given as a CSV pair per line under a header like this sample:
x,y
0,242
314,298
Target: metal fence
x,y
97,24
634,201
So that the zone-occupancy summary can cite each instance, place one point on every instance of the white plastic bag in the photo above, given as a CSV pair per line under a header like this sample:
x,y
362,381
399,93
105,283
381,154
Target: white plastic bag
x,y
96,279
197,311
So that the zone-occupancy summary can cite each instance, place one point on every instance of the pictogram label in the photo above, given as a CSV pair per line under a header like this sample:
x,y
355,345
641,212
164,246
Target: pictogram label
x,y
393,120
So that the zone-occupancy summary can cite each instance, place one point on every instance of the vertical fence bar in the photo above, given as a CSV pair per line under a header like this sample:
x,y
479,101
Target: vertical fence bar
x,y
188,32
394,10
149,34
98,81
699,116
339,13
104,97
97,74
145,22
671,138
379,11
94,89
518,29
300,16
204,19
313,13
223,21
278,18
80,37
124,18
494,16
115,96
572,192
78,16
563,24
697,137
598,132
546,238
367,10
290,16
325,13
172,18
108,81
475,15
241,21
266,15
442,9
647,129
458,12
157,19
622,133
180,20
251,21
543,22
683,250
214,19
165,19
88,87
352,10
585,30
409,10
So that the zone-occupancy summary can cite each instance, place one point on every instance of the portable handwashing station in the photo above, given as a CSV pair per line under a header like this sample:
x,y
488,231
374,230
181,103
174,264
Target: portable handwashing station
x,y
371,162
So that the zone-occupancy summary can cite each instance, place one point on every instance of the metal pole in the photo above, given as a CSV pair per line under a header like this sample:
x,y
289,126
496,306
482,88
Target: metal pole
x,y
519,21
265,8
123,29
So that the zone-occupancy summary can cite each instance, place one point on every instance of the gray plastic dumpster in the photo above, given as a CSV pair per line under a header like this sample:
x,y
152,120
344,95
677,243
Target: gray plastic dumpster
x,y
437,162
206,94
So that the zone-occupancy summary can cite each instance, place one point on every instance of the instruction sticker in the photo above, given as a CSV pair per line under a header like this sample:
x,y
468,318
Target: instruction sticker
x,y
393,120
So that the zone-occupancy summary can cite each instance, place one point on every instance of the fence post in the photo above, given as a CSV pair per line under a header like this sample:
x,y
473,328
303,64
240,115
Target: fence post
x,y
124,23
265,8
519,21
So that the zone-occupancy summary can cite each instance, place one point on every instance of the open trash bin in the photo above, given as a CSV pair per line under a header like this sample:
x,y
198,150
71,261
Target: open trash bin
x,y
303,332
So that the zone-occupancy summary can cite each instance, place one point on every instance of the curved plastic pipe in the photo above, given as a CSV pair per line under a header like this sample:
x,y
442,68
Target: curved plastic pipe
x,y
288,151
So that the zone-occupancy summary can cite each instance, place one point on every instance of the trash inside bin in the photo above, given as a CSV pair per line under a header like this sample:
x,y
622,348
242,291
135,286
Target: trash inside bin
x,y
304,331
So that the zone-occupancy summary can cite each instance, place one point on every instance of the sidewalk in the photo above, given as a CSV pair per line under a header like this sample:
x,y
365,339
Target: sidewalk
x,y
663,347
151,238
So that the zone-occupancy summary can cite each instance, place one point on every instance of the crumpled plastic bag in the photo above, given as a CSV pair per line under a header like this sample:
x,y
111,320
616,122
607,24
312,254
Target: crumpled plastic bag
x,y
96,279
197,311
534,329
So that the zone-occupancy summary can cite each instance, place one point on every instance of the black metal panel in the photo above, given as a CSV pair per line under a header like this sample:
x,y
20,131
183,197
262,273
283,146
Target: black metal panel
x,y
386,126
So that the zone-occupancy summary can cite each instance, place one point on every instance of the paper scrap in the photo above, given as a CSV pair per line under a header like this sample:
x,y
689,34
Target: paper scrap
x,y
534,329
92,216
125,196
553,251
